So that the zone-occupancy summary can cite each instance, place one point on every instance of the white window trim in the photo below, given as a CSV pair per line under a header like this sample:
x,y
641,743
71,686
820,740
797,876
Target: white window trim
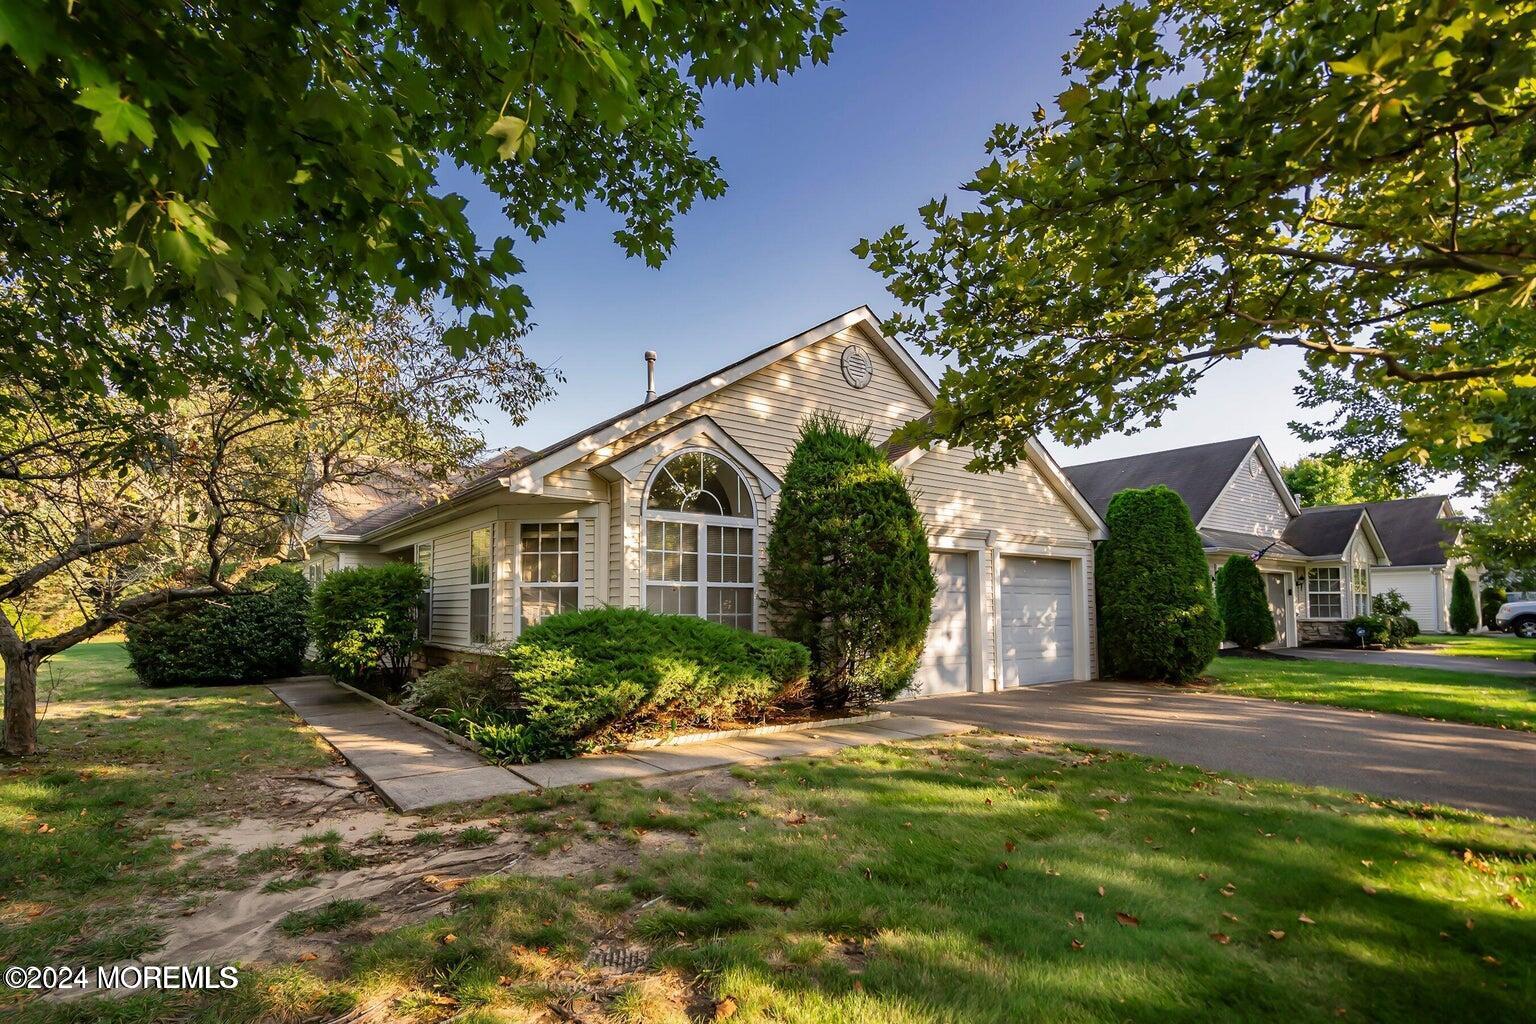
x,y
489,586
430,547
703,521
1360,583
1311,573
518,583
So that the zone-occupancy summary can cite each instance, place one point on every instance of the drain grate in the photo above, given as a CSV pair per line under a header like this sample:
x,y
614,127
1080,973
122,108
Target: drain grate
x,y
624,959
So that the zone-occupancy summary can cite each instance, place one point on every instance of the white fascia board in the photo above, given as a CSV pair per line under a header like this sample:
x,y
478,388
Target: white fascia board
x,y
629,464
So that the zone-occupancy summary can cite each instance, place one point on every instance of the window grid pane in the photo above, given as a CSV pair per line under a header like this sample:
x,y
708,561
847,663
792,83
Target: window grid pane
x,y
480,557
550,552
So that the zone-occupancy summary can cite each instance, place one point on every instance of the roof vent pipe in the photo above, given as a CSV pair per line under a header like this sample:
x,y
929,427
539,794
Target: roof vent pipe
x,y
650,377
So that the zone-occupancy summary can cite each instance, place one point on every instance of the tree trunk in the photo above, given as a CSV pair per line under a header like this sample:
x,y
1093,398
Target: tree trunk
x,y
21,704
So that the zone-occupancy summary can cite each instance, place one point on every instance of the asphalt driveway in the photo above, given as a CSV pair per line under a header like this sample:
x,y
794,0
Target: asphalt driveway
x,y
1411,659
1491,770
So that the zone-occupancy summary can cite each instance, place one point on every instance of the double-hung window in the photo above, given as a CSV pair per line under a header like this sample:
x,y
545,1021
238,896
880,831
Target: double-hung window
x,y
548,570
424,601
1361,578
1325,594
700,540
480,576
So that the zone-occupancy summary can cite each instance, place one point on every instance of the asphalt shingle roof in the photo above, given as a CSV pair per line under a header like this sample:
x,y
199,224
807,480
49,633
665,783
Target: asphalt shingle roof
x,y
1411,529
1323,531
1197,473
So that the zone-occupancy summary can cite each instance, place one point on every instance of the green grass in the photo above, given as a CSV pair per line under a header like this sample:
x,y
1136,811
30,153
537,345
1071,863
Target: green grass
x,y
1480,645
121,762
329,917
1450,694
979,881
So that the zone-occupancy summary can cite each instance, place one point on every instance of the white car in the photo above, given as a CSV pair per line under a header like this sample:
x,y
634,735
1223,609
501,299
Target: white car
x,y
1517,617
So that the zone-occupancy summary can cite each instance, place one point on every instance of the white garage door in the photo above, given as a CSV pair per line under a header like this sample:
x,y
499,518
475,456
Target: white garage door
x,y
946,664
1036,621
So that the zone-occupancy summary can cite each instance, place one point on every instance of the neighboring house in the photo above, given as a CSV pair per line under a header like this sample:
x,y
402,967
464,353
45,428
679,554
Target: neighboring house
x,y
1417,532
667,506
1317,563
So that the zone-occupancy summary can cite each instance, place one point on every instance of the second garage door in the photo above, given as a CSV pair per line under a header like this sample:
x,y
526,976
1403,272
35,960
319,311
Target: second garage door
x,y
1036,621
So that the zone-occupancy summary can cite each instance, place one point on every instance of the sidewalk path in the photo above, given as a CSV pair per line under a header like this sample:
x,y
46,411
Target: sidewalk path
x,y
413,769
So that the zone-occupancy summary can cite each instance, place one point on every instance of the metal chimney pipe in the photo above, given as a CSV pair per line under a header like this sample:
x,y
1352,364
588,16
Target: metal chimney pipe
x,y
650,377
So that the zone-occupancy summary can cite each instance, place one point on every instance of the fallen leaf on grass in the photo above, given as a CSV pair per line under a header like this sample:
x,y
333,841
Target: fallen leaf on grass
x,y
1221,937
1513,901
1079,916
1101,892
1276,934
1369,890
725,1008
1128,920
503,980
1076,945
450,939
1230,916
44,828
1491,961
1304,919
1009,846
306,956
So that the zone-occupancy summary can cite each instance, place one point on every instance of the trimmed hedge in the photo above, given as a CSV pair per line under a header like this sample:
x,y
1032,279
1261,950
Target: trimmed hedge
x,y
1378,633
848,573
257,632
584,679
1463,603
1392,609
1157,612
1245,614
364,623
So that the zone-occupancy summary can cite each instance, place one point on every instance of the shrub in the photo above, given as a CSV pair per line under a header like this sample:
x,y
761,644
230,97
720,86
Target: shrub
x,y
457,686
1377,631
257,632
1392,609
848,574
1244,607
1493,598
1157,612
1463,604
364,623
583,679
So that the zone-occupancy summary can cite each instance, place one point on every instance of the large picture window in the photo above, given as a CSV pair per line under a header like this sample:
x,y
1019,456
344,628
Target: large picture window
x,y
549,568
700,540
424,602
480,574
1325,594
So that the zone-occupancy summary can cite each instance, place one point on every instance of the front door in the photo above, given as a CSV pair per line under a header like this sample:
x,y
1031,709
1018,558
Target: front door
x,y
1274,588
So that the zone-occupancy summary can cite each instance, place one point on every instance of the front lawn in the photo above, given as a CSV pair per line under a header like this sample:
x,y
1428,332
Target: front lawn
x,y
1479,645
81,827
1450,694
976,880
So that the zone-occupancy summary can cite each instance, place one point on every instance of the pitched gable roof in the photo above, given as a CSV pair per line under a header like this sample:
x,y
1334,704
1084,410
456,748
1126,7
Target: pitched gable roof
x,y
1198,473
1413,530
424,498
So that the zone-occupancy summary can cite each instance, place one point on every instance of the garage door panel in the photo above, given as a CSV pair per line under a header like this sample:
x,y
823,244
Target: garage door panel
x,y
946,661
1035,628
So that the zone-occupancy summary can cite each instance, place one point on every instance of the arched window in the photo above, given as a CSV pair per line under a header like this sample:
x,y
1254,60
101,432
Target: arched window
x,y
700,540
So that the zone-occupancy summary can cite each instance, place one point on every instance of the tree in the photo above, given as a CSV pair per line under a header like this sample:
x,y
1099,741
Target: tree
x,y
219,486
1158,618
1463,604
1324,176
193,189
1338,480
848,573
1491,600
1244,607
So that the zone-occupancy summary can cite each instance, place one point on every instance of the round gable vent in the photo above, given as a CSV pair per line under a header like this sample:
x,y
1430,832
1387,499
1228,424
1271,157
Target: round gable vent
x,y
858,368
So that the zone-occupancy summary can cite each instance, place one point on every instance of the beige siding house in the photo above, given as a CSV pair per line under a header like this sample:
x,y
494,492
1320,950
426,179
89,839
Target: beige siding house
x,y
668,506
1317,563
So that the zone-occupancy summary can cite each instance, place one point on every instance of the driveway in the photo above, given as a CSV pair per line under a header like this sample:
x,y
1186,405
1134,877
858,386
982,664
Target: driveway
x,y
1411,659
1469,766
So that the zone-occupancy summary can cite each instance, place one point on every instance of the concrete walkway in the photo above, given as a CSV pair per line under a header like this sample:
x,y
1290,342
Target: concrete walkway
x,y
1415,659
414,769
1470,766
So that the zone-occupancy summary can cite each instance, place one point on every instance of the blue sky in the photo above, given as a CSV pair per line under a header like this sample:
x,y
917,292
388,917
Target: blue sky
x,y
832,154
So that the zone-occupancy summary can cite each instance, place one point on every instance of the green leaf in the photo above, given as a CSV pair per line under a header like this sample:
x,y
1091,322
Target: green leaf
x,y
116,117
191,134
1356,65
1074,100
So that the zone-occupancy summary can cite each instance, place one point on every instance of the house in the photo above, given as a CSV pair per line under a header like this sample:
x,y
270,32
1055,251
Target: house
x,y
667,506
1417,533
1317,563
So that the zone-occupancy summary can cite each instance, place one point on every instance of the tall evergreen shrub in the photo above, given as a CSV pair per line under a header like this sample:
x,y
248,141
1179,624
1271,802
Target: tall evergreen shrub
x,y
1157,612
364,623
1244,607
848,573
1463,603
